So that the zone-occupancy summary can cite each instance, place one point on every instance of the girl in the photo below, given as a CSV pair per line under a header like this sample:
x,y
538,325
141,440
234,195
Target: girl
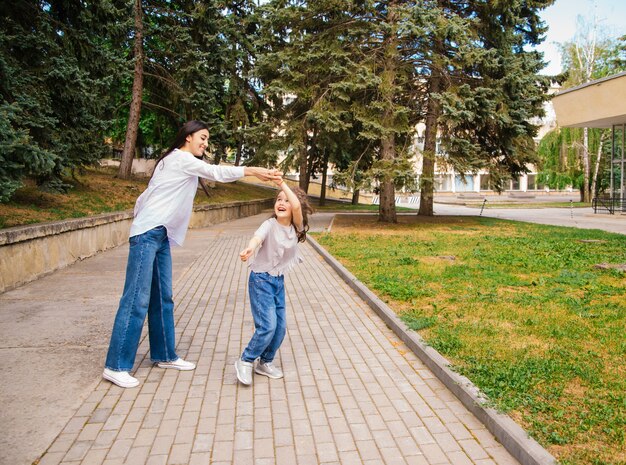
x,y
162,214
278,237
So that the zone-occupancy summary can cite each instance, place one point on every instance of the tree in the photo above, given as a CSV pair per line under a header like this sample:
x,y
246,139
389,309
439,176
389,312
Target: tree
x,y
58,60
583,53
128,153
463,69
489,88
197,57
302,64
459,66
244,106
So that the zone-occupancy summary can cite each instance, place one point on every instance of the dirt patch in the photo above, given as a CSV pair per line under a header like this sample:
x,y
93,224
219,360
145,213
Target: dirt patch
x,y
611,266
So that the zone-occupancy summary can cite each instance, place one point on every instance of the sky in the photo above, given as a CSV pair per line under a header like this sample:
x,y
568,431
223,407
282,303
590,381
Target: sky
x,y
561,19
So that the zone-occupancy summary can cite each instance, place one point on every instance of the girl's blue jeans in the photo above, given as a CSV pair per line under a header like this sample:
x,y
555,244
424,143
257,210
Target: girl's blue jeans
x,y
148,289
267,301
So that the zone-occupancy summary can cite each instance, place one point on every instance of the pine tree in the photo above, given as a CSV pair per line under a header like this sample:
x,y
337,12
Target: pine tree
x,y
491,88
303,62
58,62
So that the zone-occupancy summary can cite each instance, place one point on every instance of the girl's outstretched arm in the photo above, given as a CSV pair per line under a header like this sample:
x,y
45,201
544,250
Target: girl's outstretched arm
x,y
246,253
296,207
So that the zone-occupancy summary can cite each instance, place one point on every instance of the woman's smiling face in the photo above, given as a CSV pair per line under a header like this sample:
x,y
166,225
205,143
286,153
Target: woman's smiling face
x,y
197,142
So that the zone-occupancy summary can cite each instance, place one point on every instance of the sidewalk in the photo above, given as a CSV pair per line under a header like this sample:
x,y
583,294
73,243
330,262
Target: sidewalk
x,y
352,394
583,218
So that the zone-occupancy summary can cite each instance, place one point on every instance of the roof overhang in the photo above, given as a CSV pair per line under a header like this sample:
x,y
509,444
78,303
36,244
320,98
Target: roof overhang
x,y
596,104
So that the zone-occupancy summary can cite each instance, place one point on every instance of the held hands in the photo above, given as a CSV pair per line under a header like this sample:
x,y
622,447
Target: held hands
x,y
265,174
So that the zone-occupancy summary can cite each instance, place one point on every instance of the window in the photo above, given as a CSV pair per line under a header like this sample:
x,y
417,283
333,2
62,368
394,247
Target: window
x,y
464,183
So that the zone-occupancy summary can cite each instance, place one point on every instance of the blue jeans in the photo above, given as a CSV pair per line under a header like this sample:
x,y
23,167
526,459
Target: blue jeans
x,y
148,289
267,301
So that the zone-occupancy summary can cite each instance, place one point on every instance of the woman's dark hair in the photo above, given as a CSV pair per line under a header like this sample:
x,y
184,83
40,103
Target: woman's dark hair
x,y
189,127
307,210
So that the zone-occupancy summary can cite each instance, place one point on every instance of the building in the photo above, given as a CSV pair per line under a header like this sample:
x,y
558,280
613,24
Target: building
x,y
600,104
447,180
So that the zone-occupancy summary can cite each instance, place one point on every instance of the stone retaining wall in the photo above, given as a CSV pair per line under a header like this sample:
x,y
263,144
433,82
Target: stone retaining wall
x,y
29,252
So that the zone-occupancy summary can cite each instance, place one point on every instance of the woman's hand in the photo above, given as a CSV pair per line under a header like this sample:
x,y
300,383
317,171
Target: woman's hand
x,y
263,174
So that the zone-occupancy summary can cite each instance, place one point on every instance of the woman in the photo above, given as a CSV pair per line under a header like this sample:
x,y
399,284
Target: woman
x,y
162,214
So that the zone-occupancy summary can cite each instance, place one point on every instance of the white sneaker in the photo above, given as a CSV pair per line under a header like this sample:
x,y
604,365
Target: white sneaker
x,y
121,378
268,369
178,364
244,372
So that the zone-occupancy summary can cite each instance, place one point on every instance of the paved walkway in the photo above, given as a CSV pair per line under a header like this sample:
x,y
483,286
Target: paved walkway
x,y
583,218
352,393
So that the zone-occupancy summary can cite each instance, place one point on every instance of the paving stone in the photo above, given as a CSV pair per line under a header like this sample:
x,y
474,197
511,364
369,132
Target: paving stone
x,y
352,392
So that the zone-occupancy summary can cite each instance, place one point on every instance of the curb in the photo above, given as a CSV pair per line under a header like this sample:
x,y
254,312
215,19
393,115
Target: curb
x,y
514,439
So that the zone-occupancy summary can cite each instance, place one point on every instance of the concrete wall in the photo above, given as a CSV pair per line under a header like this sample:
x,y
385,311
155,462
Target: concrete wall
x,y
29,252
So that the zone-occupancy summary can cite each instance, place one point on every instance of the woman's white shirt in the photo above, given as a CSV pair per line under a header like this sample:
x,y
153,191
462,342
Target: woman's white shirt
x,y
168,200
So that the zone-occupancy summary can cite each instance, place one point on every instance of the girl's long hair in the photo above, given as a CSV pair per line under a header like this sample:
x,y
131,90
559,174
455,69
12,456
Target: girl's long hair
x,y
307,210
181,138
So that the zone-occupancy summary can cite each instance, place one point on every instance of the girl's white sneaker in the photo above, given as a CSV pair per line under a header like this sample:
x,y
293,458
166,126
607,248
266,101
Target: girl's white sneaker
x,y
121,378
178,364
268,369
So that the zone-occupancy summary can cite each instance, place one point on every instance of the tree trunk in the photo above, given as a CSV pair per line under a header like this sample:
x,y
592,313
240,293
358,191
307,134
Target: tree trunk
x,y
239,149
586,165
387,206
304,177
594,184
430,149
324,178
134,114
355,196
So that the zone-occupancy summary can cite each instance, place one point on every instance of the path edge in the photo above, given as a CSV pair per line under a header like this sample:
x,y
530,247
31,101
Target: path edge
x,y
512,436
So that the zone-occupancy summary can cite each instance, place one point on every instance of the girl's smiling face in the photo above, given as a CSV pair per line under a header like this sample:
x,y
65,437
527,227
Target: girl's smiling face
x,y
282,209
197,142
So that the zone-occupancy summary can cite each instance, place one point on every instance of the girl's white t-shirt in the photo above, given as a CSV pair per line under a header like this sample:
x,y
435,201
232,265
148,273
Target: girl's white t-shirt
x,y
279,250
168,200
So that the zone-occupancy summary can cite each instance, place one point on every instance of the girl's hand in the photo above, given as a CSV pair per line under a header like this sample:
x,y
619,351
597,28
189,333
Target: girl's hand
x,y
279,182
263,174
246,253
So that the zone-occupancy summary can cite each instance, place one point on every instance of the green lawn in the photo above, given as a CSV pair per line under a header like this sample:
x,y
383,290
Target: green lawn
x,y
520,309
334,206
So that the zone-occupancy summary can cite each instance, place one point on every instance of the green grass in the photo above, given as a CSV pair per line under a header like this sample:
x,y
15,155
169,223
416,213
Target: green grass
x,y
334,206
520,309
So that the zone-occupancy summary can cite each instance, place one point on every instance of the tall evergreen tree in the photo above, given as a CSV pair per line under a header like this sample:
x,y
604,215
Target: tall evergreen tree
x,y
492,89
302,62
58,60
195,55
